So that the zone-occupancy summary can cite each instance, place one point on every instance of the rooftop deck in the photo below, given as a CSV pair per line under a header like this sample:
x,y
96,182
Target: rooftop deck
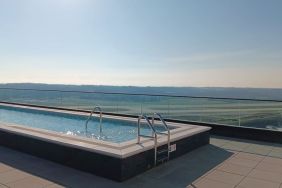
x,y
226,162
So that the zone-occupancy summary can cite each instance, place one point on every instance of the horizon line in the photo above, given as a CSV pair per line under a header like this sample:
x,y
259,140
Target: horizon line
x,y
152,86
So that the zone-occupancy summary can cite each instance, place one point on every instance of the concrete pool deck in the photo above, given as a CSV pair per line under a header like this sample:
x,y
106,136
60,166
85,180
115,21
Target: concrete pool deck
x,y
225,162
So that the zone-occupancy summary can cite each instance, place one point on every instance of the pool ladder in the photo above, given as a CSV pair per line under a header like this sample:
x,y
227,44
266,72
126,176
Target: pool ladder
x,y
96,109
160,155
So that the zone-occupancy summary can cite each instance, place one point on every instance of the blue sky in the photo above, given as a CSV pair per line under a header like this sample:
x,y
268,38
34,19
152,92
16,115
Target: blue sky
x,y
234,43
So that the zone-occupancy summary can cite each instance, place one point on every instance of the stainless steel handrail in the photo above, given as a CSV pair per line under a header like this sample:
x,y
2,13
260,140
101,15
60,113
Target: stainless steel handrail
x,y
92,112
167,129
154,134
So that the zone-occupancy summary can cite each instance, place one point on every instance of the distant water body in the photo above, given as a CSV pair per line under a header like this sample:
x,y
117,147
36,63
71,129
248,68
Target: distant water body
x,y
252,93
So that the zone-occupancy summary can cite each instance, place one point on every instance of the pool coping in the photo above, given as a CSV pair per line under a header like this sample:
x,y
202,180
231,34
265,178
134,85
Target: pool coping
x,y
117,150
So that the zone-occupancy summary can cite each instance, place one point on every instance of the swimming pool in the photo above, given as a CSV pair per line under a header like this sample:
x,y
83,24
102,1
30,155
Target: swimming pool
x,y
59,135
114,130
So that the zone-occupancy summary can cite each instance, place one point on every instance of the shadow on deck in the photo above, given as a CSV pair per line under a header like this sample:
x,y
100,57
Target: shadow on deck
x,y
179,172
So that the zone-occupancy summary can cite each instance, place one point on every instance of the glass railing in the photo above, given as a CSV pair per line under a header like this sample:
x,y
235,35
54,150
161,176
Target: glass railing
x,y
265,114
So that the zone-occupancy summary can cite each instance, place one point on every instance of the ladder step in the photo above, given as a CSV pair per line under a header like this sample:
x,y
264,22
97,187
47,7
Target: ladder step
x,y
162,159
162,151
146,136
162,133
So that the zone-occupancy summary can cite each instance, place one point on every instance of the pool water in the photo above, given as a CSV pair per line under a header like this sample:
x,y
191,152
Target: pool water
x,y
113,130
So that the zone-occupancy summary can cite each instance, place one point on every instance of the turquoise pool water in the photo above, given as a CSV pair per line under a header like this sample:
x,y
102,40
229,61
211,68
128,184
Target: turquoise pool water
x,y
113,130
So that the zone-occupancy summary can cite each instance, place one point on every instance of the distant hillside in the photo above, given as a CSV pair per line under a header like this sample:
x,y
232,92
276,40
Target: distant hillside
x,y
190,91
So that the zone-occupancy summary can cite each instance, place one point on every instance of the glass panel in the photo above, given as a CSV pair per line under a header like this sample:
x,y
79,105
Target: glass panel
x,y
246,113
184,108
220,111
155,104
130,104
257,114
47,98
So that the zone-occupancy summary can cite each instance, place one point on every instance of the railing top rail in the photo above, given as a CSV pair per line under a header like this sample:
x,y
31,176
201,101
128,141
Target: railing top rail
x,y
142,94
